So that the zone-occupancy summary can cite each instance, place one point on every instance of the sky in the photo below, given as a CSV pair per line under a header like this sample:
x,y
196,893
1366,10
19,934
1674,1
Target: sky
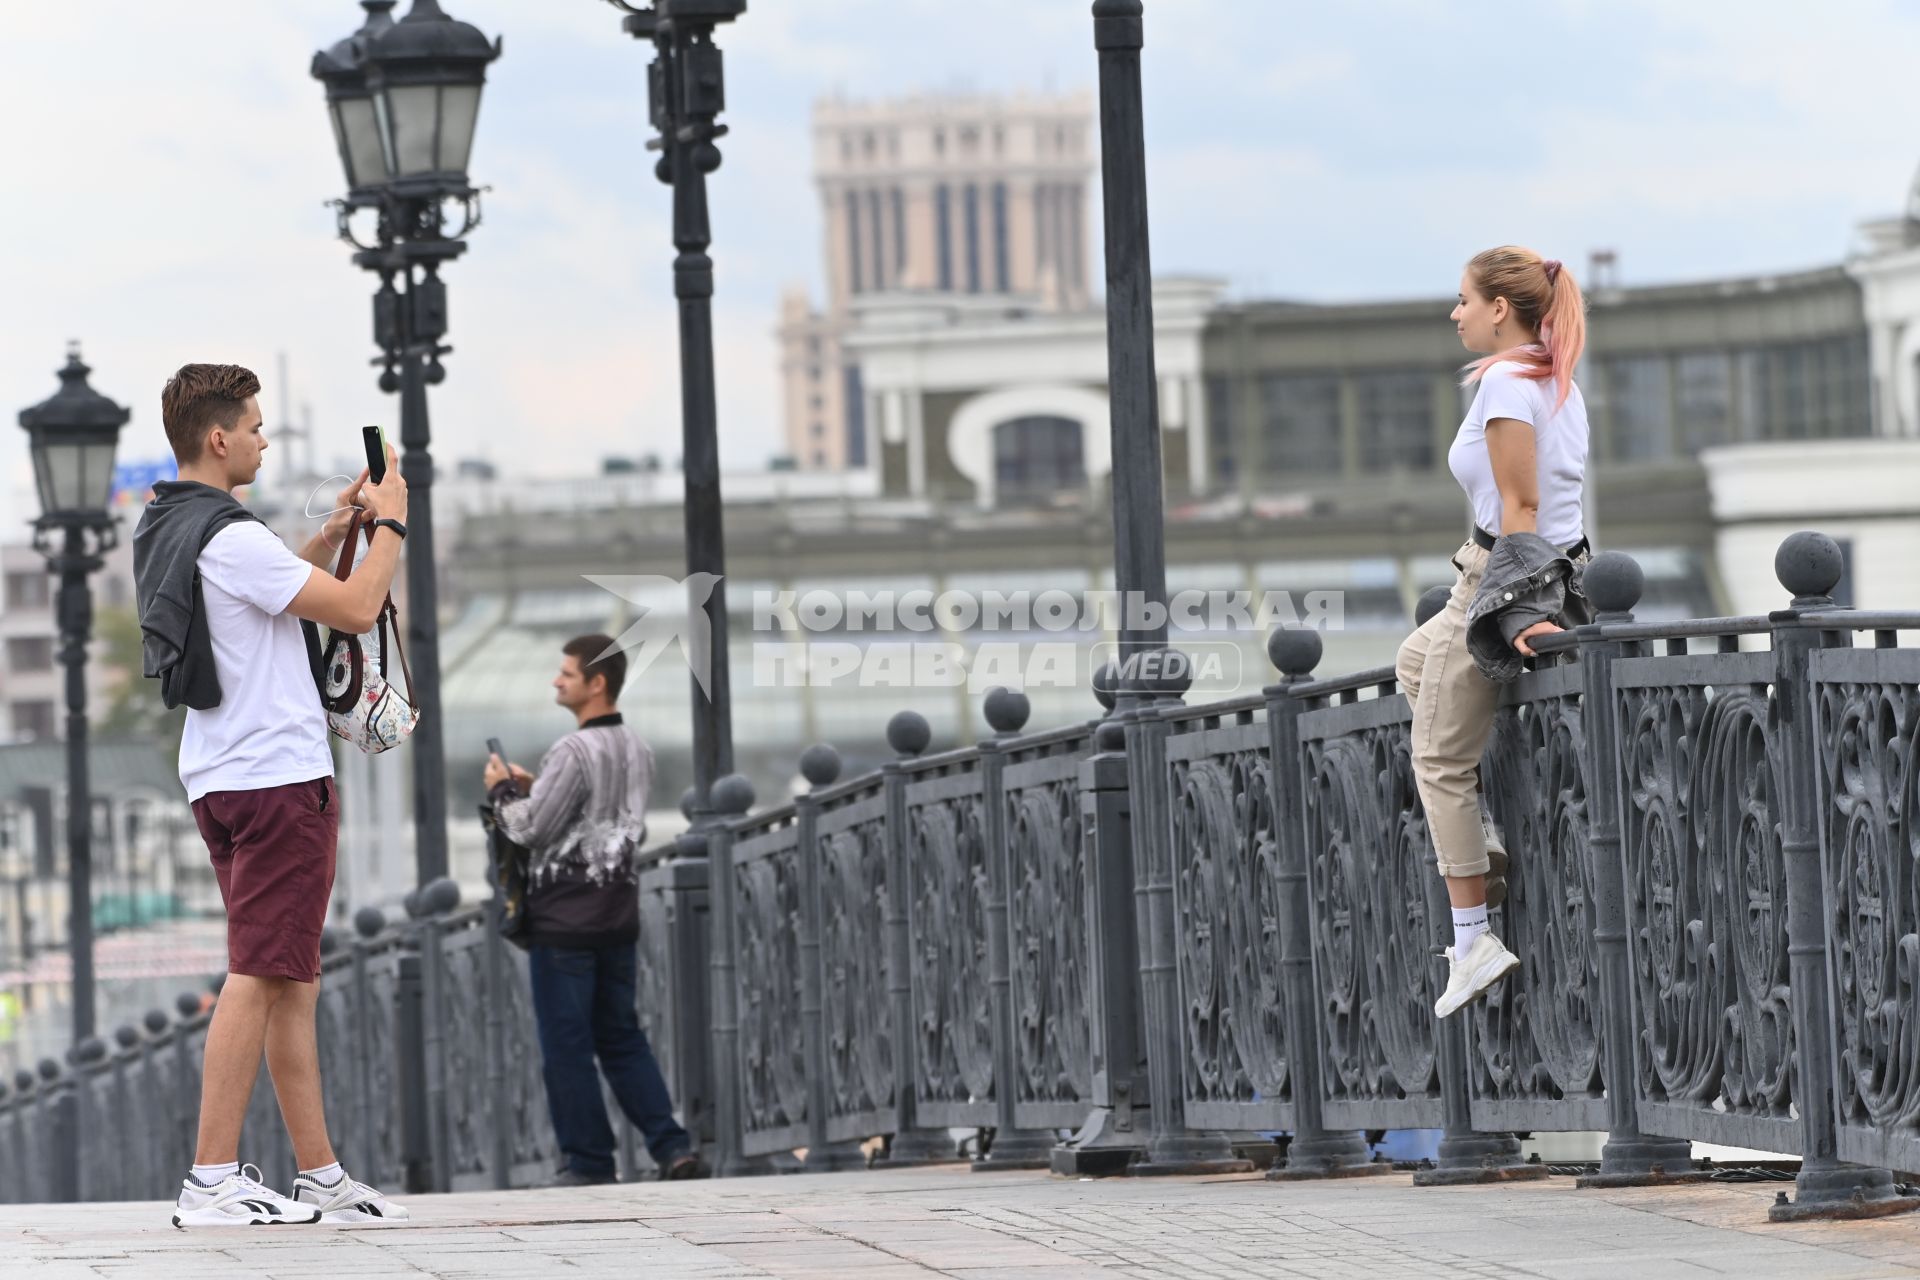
x,y
168,167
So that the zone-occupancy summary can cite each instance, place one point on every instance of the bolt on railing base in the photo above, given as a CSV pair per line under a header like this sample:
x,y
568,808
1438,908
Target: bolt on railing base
x,y
1175,1155
1101,1148
834,1157
1840,1192
1333,1156
1016,1149
918,1147
1641,1161
1479,1157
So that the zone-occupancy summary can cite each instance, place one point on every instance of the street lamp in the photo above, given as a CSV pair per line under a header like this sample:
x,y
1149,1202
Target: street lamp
x,y
404,98
72,437
686,94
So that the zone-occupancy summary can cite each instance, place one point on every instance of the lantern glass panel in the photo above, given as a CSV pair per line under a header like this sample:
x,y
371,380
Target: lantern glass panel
x,y
357,129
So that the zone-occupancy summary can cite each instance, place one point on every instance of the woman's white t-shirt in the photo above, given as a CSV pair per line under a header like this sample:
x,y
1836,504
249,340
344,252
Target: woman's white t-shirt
x,y
1559,445
269,728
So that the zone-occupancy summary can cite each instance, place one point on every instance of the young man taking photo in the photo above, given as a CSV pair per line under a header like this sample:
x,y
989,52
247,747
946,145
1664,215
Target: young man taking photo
x,y
582,822
225,610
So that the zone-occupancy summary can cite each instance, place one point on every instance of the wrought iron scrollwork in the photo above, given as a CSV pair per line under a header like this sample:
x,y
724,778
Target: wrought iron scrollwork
x,y
952,998
1870,770
1226,860
853,903
1053,1054
1368,857
654,980
767,930
1538,1037
1706,899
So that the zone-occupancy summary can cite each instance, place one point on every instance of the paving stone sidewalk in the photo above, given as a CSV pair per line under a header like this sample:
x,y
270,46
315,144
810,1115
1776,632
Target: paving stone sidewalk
x,y
948,1221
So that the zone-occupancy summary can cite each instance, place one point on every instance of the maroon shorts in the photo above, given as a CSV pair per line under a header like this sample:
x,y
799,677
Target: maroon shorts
x,y
273,853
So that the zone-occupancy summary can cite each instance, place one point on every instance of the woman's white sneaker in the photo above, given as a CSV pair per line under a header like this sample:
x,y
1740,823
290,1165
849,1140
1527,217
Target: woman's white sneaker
x,y
346,1202
1469,976
238,1200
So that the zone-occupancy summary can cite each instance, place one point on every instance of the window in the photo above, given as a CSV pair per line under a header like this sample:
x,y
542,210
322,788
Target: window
x,y
972,226
1223,451
817,431
856,416
815,401
819,458
33,720
30,653
1804,390
27,590
1037,457
879,241
853,242
1300,424
943,233
1396,421
1000,272
899,231
1704,395
1640,408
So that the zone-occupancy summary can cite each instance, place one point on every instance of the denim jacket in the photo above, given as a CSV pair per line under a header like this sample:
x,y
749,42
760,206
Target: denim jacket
x,y
1527,580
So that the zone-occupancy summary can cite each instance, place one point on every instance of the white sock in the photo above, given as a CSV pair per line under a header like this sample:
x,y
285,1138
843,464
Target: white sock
x,y
1468,924
327,1175
209,1175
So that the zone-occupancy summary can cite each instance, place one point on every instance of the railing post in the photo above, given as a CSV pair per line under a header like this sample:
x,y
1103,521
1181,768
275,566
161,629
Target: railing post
x,y
60,1100
731,796
410,1046
1630,1157
909,1144
1013,1147
1172,1148
1312,1152
1116,1129
1809,565
819,765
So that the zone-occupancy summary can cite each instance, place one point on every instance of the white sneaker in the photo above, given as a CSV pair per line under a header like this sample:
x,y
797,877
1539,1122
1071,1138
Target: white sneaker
x,y
238,1200
346,1202
1469,976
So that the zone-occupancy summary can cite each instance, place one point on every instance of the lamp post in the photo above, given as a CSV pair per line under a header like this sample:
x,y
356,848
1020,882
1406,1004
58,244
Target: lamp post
x,y
72,437
404,98
686,94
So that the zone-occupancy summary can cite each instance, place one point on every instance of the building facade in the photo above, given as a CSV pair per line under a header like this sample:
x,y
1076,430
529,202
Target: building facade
x,y
953,195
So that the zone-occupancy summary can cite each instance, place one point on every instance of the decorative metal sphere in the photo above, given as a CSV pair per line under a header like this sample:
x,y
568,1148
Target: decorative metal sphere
x,y
908,733
389,381
92,1049
1809,564
1613,581
820,764
440,896
1007,710
1294,651
188,1003
1106,685
23,1081
126,1035
368,922
329,940
1431,602
411,904
156,1021
732,795
687,798
49,1069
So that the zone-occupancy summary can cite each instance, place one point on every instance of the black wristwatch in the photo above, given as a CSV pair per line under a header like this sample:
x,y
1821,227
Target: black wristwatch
x,y
387,522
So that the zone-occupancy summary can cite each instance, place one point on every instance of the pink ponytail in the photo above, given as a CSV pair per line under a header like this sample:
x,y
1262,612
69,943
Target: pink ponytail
x,y
1547,299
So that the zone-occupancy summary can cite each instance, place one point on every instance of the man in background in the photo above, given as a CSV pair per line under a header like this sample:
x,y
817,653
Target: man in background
x,y
582,822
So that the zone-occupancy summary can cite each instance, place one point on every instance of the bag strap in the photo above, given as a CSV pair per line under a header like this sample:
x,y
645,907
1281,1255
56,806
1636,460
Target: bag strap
x,y
347,548
388,611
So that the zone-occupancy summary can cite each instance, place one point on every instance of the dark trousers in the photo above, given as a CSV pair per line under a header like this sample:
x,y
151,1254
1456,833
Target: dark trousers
x,y
584,1004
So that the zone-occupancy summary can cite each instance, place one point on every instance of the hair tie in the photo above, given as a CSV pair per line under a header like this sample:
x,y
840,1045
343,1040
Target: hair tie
x,y
1553,270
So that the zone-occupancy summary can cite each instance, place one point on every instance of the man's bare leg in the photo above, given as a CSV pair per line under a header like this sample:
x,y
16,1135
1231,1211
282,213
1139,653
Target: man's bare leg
x,y
235,1039
293,1060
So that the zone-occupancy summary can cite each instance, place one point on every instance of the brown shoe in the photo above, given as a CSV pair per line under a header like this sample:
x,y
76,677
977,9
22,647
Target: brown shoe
x,y
685,1167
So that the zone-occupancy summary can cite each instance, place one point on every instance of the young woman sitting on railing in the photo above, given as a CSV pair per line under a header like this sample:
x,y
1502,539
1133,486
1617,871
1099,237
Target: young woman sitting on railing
x,y
1521,457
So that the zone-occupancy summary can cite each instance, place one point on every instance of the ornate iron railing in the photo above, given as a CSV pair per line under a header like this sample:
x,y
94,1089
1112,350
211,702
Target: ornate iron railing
x,y
1126,944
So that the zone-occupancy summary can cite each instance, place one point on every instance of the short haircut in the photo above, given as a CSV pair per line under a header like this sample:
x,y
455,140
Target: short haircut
x,y
199,398
613,666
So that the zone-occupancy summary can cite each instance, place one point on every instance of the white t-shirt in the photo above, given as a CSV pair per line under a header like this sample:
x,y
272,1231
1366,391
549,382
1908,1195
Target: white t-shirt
x,y
1559,445
269,728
